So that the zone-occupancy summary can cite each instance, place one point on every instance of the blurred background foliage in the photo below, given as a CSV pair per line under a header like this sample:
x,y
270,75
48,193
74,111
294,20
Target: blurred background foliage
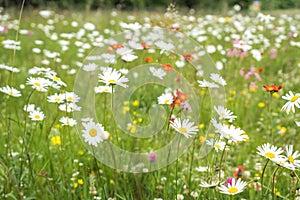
x,y
213,5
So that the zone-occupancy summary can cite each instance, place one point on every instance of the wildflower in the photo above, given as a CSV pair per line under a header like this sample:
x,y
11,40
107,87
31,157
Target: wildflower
x,y
219,145
167,67
293,100
211,184
113,77
233,188
56,140
53,77
152,157
166,98
71,97
272,88
179,197
232,133
269,152
66,121
40,84
148,59
29,108
103,89
157,72
93,133
261,104
238,172
207,84
11,91
292,156
36,115
224,113
217,79
56,98
194,194
185,127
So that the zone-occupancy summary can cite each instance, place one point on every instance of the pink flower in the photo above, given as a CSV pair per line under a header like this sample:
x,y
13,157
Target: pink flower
x,y
273,53
152,157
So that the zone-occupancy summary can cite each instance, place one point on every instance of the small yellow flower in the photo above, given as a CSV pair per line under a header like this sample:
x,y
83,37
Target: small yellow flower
x,y
243,92
227,19
80,181
261,104
56,140
75,185
111,182
202,139
140,119
135,103
126,103
276,95
58,126
201,126
202,92
125,109
232,92
80,152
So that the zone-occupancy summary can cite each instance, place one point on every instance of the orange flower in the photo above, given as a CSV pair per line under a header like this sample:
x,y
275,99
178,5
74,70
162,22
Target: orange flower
x,y
146,46
238,172
188,57
167,67
148,59
272,88
116,46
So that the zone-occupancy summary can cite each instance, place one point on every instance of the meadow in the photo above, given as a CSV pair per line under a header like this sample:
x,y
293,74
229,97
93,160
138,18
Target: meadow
x,y
149,105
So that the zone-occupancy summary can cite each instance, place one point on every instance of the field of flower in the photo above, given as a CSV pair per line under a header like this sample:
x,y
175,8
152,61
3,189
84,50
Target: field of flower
x,y
100,105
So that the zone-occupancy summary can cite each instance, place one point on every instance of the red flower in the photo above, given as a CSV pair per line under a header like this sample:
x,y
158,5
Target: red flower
x,y
146,46
116,46
272,88
179,98
238,172
167,67
148,59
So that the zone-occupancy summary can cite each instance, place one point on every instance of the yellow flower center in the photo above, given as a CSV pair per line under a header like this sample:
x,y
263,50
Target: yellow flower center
x,y
57,99
294,98
291,159
270,155
93,132
167,101
10,93
67,123
182,130
218,146
233,190
112,81
37,84
37,117
70,98
56,78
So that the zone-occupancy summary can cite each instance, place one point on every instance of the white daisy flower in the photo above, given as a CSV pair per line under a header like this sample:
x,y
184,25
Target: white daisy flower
x,y
93,133
297,123
219,145
71,97
113,77
10,91
186,128
56,98
270,152
129,57
217,79
90,67
202,169
157,72
207,84
234,188
29,108
211,184
232,133
66,121
36,115
69,107
166,98
292,156
293,100
103,89
40,84
224,113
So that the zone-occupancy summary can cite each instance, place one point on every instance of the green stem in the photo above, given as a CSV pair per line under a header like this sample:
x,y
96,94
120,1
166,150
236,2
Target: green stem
x,y
273,182
221,160
262,179
271,117
191,164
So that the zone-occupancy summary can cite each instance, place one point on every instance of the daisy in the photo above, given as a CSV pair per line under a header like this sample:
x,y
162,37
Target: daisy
x,y
293,100
217,79
113,77
166,98
103,89
186,128
56,98
11,91
69,107
207,84
292,156
71,97
40,84
270,152
29,108
66,121
219,145
53,77
93,133
234,188
224,113
90,67
36,115
164,46
211,184
232,133
157,72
